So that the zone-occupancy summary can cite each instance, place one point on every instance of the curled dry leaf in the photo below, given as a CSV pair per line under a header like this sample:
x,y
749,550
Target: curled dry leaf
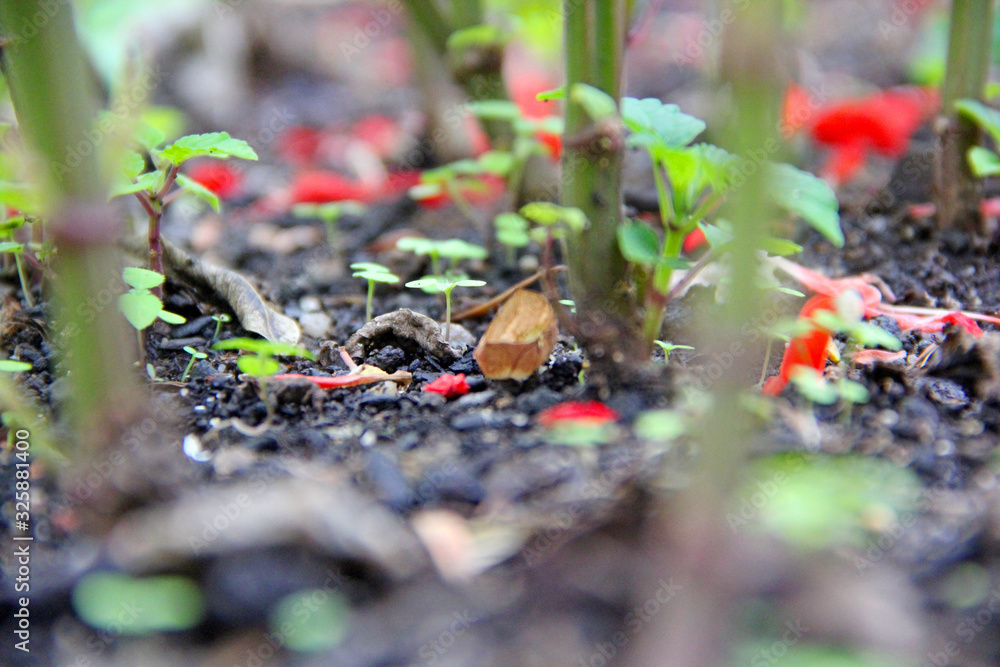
x,y
250,308
519,339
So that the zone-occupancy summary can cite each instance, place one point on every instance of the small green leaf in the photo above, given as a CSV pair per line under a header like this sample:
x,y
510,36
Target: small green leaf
x,y
780,247
986,117
195,353
140,307
654,122
425,191
371,267
716,236
459,249
171,318
475,37
660,425
376,276
256,366
11,247
266,347
639,244
133,164
165,603
142,278
554,94
548,214
144,182
213,144
424,283
496,162
148,136
24,198
597,103
983,162
813,386
198,190
322,628
496,110
810,197
14,366
416,245
468,283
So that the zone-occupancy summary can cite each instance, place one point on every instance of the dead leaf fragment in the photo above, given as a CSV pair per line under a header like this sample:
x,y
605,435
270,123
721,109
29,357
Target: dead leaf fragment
x,y
519,339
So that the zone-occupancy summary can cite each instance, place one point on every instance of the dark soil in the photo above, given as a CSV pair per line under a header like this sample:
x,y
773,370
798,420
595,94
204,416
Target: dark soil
x,y
457,531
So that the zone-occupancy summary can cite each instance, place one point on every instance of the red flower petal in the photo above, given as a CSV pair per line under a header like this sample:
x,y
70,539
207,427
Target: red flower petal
x,y
552,142
579,412
694,240
448,385
222,179
381,133
299,145
320,187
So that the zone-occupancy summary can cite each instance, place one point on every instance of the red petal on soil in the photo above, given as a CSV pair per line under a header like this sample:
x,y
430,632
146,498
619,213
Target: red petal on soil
x,y
381,133
579,412
817,282
449,385
222,179
299,145
921,211
693,241
808,349
552,142
320,187
868,357
844,162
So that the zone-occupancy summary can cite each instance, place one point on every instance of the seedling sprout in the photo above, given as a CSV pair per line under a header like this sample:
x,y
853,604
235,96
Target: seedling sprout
x,y
446,285
373,273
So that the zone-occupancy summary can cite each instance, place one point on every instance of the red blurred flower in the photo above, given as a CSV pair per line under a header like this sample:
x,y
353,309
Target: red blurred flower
x,y
299,145
484,189
320,187
577,412
524,88
881,123
382,134
222,179
449,385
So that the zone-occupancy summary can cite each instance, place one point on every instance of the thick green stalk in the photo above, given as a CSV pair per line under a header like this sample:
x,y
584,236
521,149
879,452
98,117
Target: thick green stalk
x,y
969,40
55,106
592,179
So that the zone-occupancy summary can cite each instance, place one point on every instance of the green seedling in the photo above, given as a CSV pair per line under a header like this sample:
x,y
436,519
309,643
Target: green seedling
x,y
14,366
373,273
220,319
982,161
692,181
10,247
670,347
810,383
195,355
444,284
512,233
457,180
454,250
527,137
553,223
260,361
139,305
330,214
155,189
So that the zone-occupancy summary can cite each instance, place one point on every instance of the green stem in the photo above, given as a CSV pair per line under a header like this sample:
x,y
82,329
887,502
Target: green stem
x,y
25,283
592,180
447,316
969,42
368,303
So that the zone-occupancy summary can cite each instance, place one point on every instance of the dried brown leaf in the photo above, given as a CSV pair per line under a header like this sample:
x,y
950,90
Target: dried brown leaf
x,y
519,339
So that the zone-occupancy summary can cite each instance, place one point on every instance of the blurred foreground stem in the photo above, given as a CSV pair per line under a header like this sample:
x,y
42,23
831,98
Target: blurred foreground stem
x,y
56,108
695,545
